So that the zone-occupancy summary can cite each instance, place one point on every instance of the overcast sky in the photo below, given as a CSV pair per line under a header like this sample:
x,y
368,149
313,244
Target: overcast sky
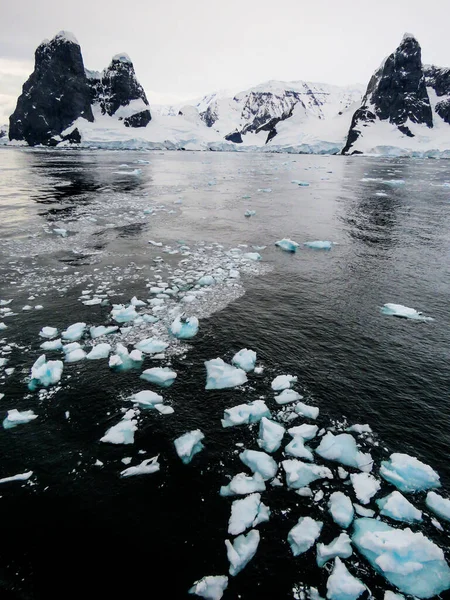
x,y
185,48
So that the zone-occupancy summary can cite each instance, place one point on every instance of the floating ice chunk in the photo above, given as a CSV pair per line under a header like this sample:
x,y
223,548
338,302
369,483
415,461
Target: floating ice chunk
x,y
206,280
391,595
287,396
245,359
147,467
3,362
266,190
340,546
246,513
92,302
99,351
210,587
135,302
342,448
439,505
124,314
27,307
242,550
298,449
16,417
149,318
76,355
341,584
74,332
52,345
249,213
5,302
151,346
259,462
363,512
122,433
398,310
300,183
189,444
48,332
162,376
319,245
409,474
300,474
60,231
243,414
307,432
365,486
102,330
259,370
283,382
304,535
45,372
341,509
360,428
408,560
310,412
3,326
252,256
134,172
184,329
287,245
397,507
270,435
146,398
220,375
242,484
18,477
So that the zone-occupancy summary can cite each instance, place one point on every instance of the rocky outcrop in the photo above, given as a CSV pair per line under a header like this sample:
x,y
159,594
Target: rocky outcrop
x,y
55,94
439,80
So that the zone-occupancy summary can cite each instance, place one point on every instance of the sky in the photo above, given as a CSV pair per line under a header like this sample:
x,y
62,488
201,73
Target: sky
x,y
182,49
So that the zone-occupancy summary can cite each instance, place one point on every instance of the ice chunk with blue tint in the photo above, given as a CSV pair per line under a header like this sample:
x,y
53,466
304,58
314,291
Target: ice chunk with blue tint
x,y
123,314
404,312
255,256
162,376
287,245
341,509
397,507
45,372
388,595
16,417
307,432
297,448
146,398
147,467
96,332
149,318
339,547
245,359
124,360
300,474
283,382
259,462
220,375
48,332
52,345
409,561
18,477
409,474
288,396
360,428
247,512
135,302
121,433
300,183
363,512
319,245
189,444
310,412
74,353
270,435
99,351
210,587
74,332
242,550
206,280
243,414
184,329
365,486
242,484
3,326
151,346
439,505
60,231
249,213
341,584
304,535
342,448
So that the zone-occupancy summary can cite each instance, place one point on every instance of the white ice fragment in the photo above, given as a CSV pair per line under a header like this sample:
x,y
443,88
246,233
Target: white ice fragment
x,y
319,245
409,474
99,351
206,280
304,535
184,329
52,345
45,372
74,332
342,448
148,466
75,356
124,314
439,505
287,396
220,375
243,414
146,398
3,326
287,245
135,302
60,231
242,550
365,486
297,448
360,428
245,359
310,412
16,417
340,546
341,584
397,507
242,484
162,376
247,512
283,382
18,477
307,432
270,434
48,332
122,433
102,330
189,444
363,512
256,256
210,587
398,310
151,346
341,509
259,462
300,474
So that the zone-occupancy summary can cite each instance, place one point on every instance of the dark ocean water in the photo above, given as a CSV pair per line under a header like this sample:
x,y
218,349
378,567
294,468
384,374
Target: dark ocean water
x,y
81,531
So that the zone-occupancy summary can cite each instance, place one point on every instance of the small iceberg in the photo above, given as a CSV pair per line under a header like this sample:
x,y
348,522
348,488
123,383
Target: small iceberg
x,y
287,395
307,432
184,328
122,433
300,474
210,587
124,360
250,213
245,359
310,412
303,536
287,245
244,414
242,550
74,332
342,448
319,245
16,417
123,314
300,183
73,352
151,346
206,280
45,372
365,486
99,351
147,467
188,445
341,509
255,256
243,484
408,474
283,382
340,547
259,462
96,332
48,332
220,375
146,399
52,345
298,449
341,584
18,477
162,376
439,505
270,435
409,561
247,513
397,507
398,310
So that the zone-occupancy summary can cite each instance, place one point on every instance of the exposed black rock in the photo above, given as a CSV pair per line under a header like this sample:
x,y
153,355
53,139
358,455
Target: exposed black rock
x,y
209,116
235,137
439,80
55,94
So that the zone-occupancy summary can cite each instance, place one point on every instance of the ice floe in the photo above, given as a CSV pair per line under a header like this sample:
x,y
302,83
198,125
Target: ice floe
x,y
96,332
283,382
342,448
245,413
439,505
398,310
397,507
287,245
220,375
189,444
242,484
287,396
319,245
210,587
242,550
147,467
99,351
45,372
341,584
16,417
365,486
408,473
184,328
146,399
297,448
270,435
48,332
74,332
122,432
341,509
259,462
18,477
151,346
246,513
339,547
300,474
303,536
245,359
162,376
